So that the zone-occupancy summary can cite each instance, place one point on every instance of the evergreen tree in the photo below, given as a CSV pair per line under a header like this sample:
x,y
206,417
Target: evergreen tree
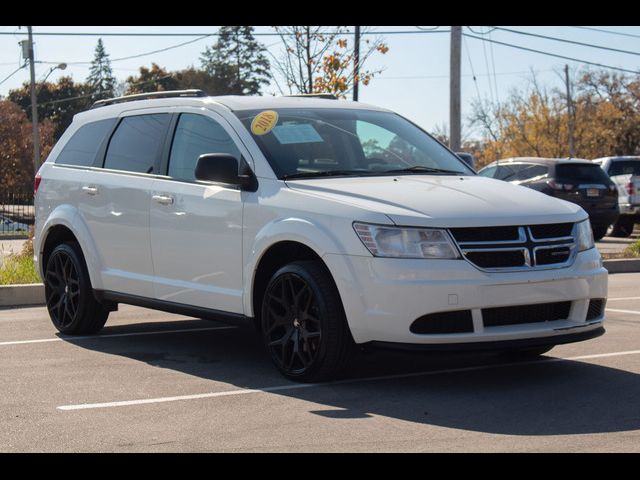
x,y
237,61
101,80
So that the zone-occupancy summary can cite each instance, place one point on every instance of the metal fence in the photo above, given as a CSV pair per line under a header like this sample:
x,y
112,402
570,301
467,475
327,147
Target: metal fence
x,y
16,213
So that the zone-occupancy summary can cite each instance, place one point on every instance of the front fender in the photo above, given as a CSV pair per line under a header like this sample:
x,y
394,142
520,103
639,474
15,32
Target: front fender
x,y
69,217
318,237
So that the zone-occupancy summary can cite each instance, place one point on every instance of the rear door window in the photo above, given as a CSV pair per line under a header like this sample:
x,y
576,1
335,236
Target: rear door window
x,y
531,171
506,173
137,143
581,172
82,147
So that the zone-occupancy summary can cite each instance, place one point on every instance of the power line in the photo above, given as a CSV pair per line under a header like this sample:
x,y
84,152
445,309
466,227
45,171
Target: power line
x,y
623,34
486,63
195,34
481,33
493,66
564,40
475,81
416,77
553,54
13,73
140,54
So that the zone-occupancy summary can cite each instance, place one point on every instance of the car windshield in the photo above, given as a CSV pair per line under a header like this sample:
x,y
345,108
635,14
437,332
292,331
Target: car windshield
x,y
301,143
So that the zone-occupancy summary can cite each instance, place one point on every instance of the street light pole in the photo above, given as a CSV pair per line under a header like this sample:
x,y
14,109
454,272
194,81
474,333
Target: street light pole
x,y
34,106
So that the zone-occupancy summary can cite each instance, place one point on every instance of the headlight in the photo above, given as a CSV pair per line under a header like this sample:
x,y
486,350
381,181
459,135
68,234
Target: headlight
x,y
400,242
584,236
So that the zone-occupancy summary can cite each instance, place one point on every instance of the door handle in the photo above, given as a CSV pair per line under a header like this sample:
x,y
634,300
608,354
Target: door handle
x,y
163,199
90,190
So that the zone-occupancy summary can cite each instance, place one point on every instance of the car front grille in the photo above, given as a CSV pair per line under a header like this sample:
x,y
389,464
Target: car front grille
x,y
517,247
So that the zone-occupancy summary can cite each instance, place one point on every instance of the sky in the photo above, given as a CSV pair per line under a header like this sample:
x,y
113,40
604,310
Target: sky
x,y
415,77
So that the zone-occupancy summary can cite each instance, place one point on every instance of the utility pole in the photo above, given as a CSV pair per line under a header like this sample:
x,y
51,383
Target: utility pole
x,y
454,89
34,105
570,112
356,64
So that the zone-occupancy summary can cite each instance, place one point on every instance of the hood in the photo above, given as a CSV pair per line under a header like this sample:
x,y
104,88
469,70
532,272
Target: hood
x,y
444,201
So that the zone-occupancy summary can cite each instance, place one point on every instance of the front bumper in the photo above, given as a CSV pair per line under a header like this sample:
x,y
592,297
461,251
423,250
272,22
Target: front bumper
x,y
382,297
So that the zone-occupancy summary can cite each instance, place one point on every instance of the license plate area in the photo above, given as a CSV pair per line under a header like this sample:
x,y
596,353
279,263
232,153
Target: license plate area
x,y
593,192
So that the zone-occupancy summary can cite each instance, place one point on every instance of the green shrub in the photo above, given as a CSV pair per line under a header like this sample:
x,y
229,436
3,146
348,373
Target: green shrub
x,y
633,250
16,269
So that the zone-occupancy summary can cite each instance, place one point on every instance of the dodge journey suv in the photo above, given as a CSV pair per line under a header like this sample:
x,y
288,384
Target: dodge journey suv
x,y
328,224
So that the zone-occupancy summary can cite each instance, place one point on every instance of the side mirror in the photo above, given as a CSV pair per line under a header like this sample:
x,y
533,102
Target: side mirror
x,y
467,158
223,168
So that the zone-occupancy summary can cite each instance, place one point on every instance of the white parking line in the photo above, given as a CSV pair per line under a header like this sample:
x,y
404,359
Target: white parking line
x,y
131,334
622,298
622,311
295,386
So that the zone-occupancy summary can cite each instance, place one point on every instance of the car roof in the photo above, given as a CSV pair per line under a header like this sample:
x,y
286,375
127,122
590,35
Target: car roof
x,y
618,157
246,102
540,161
230,102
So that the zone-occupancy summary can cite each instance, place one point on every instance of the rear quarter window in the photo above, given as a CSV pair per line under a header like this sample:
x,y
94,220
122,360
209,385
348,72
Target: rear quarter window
x,y
82,147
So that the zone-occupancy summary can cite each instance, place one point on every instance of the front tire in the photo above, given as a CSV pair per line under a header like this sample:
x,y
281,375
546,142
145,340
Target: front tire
x,y
72,307
599,232
303,323
623,228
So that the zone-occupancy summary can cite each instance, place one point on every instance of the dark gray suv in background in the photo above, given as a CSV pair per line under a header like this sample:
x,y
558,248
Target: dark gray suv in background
x,y
578,181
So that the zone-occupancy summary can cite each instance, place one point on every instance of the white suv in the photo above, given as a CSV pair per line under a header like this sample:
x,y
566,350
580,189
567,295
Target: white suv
x,y
329,224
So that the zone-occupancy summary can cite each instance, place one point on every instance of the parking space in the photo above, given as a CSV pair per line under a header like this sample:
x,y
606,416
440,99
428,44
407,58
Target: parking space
x,y
158,382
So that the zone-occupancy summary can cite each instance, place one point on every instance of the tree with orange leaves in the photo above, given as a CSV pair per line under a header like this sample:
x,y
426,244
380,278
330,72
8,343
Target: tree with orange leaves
x,y
319,59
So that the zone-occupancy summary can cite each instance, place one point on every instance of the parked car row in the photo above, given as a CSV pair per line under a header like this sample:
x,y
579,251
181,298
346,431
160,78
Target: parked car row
x,y
7,225
625,172
606,188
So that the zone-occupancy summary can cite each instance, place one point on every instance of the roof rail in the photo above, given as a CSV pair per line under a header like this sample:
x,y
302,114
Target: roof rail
x,y
327,96
149,95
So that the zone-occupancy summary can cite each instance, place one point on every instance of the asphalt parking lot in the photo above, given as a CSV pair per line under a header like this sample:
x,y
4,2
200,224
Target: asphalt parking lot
x,y
158,382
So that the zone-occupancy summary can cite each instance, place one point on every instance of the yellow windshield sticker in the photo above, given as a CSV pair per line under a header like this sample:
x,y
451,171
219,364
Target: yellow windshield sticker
x,y
264,122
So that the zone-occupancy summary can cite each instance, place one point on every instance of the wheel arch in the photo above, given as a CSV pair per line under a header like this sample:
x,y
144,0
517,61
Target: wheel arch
x,y
65,224
276,245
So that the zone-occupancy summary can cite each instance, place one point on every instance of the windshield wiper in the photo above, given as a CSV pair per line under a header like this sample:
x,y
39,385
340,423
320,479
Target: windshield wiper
x,y
326,173
421,169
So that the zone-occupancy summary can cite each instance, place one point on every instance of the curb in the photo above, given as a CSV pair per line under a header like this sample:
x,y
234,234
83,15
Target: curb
x,y
622,265
22,295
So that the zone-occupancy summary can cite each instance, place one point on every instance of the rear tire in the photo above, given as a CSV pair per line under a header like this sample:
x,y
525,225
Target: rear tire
x,y
72,306
623,228
304,327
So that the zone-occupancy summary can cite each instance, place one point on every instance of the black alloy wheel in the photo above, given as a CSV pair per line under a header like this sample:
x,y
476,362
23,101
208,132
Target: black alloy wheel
x,y
72,306
303,324
63,289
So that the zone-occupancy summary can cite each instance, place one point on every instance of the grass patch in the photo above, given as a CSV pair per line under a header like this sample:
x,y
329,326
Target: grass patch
x,y
633,250
16,269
